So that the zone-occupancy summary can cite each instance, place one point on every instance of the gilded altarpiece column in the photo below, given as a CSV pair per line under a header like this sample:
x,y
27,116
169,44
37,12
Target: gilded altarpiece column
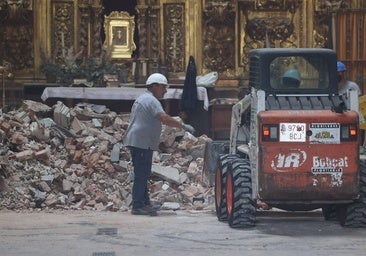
x,y
266,23
174,37
62,28
16,33
148,24
91,21
75,26
181,35
218,40
169,32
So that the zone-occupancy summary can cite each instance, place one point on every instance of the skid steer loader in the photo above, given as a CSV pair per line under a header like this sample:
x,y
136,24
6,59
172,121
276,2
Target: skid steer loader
x,y
294,142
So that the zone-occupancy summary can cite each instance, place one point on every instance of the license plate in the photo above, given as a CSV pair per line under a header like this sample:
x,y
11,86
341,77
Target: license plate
x,y
293,132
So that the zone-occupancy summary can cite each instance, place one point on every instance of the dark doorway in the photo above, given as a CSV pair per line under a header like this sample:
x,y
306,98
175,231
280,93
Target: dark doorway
x,y
119,5
122,6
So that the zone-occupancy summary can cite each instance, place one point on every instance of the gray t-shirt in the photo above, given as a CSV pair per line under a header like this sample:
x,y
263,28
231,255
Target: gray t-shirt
x,y
349,85
144,128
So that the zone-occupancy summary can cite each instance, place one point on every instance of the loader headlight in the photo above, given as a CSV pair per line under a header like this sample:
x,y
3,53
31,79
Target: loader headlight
x,y
349,132
270,132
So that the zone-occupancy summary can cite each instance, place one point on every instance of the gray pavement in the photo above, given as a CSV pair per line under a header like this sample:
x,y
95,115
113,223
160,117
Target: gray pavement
x,y
177,233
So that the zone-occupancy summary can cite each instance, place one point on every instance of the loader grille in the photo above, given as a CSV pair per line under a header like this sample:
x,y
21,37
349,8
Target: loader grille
x,y
274,102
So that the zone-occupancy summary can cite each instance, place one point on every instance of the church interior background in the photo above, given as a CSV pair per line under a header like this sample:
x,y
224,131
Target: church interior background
x,y
161,35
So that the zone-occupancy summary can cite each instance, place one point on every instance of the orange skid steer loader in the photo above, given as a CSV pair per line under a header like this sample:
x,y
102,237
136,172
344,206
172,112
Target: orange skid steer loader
x,y
294,142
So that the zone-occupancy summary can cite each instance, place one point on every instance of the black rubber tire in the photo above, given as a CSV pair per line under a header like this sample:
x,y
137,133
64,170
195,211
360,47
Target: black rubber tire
x,y
240,205
220,185
354,215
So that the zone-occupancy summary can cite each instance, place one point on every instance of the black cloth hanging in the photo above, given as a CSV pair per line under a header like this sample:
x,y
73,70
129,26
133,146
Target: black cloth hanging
x,y
189,98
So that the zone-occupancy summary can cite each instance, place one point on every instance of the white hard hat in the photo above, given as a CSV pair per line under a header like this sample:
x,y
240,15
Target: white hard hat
x,y
156,78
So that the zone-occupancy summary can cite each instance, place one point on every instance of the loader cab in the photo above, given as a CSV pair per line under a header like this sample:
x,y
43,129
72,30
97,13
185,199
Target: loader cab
x,y
293,71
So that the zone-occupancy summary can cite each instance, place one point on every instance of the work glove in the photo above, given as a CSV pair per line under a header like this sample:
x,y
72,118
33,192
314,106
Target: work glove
x,y
188,128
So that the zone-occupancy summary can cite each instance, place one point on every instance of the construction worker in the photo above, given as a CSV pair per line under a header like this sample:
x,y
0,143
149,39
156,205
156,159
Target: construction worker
x,y
343,83
143,137
291,78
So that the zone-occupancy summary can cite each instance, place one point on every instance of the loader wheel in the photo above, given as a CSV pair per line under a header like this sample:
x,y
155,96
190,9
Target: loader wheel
x,y
354,215
240,204
220,185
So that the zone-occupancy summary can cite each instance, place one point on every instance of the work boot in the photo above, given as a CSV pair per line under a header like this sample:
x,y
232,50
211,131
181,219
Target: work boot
x,y
155,207
146,210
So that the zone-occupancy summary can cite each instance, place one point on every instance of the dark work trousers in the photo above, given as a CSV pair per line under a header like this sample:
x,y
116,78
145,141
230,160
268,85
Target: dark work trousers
x,y
142,161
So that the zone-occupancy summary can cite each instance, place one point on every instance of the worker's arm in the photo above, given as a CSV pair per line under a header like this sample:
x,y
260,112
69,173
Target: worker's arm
x,y
170,121
166,119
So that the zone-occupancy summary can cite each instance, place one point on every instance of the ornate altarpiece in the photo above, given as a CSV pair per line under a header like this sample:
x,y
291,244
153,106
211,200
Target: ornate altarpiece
x,y
217,33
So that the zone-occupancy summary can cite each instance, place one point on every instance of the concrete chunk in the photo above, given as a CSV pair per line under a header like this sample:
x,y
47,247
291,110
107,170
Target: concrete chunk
x,y
61,115
170,206
66,186
115,153
167,173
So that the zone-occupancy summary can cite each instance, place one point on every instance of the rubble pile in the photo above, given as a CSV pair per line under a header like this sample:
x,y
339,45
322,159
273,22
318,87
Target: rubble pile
x,y
74,158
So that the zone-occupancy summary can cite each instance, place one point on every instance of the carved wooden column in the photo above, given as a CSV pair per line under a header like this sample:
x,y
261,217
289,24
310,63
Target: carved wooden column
x,y
265,23
62,27
84,26
153,29
42,31
174,38
148,27
219,37
322,12
141,10
90,26
16,33
141,24
96,25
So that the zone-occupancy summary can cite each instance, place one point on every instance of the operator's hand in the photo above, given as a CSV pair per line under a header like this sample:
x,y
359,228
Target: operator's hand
x,y
188,128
